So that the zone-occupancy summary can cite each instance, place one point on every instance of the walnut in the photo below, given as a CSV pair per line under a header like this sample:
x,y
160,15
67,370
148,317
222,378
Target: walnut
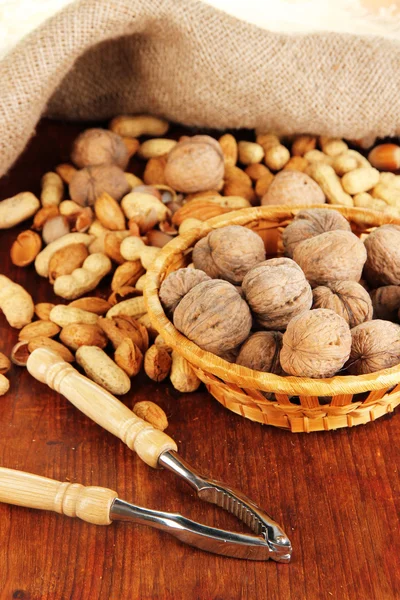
x,y
195,164
99,147
214,316
331,256
261,352
89,183
375,346
179,283
276,291
293,188
229,253
383,256
386,302
315,344
309,223
347,298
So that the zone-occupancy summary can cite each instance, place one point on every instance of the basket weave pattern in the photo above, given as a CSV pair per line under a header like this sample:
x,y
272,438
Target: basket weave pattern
x,y
299,404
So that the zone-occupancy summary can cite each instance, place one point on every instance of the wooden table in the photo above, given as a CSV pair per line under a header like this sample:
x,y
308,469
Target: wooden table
x,y
337,494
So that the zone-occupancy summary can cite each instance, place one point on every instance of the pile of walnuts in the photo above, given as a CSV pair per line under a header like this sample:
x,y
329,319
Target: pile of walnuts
x,y
330,306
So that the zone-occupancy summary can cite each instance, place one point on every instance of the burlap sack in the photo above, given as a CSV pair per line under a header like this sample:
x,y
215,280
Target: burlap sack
x,y
191,63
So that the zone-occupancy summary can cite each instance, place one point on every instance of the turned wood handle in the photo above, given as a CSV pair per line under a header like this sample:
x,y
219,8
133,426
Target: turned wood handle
x,y
90,504
99,405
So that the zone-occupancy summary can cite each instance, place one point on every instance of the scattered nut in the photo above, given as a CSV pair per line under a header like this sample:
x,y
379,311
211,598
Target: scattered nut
x,y
5,364
20,353
156,147
65,315
137,125
152,413
109,212
44,342
121,327
85,279
25,248
157,363
182,375
52,189
4,385
38,329
99,367
92,304
55,228
127,274
76,335
134,307
17,209
43,310
15,302
89,183
129,357
66,260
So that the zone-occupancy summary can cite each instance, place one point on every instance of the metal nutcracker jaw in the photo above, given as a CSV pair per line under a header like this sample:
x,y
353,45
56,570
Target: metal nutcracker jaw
x,y
269,541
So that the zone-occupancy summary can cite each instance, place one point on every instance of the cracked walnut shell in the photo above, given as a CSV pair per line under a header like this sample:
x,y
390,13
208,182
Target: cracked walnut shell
x,y
229,253
347,298
276,291
316,344
375,346
331,256
214,316
178,284
309,223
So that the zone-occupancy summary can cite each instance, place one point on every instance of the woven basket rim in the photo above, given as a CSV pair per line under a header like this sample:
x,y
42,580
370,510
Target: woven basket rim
x,y
237,374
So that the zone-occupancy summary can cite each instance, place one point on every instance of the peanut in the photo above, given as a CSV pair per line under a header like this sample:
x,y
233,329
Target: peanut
x,y
84,279
4,385
237,183
229,149
69,208
267,140
52,189
5,364
101,369
141,282
15,302
250,153
365,200
112,244
25,248
388,193
332,146
43,258
256,171
157,363
154,171
296,163
132,180
134,307
129,357
137,203
263,184
152,413
303,144
276,157
137,125
344,163
76,335
156,147
360,180
182,376
314,156
66,172
17,209
330,183
189,223
65,315
66,260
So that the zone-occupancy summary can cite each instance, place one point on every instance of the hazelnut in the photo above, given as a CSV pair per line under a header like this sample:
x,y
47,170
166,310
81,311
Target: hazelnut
x,y
214,316
178,284
89,183
315,344
386,302
347,298
383,256
331,256
99,147
309,223
261,352
293,188
276,291
229,253
195,164
375,346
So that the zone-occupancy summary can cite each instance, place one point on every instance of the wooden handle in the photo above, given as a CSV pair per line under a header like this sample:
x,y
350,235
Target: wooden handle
x,y
91,504
99,405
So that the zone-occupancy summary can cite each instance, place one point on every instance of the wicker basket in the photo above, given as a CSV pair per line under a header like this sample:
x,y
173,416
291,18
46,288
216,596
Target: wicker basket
x,y
296,403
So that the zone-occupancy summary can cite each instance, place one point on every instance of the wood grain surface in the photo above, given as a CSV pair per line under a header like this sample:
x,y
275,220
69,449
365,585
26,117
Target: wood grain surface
x,y
337,494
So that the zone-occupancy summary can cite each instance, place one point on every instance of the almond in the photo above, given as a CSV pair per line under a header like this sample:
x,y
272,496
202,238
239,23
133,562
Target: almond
x,y
152,413
99,306
66,260
25,248
127,274
198,209
229,149
39,329
80,334
109,212
129,357
5,364
66,172
157,363
121,327
112,244
154,171
123,293
43,215
43,310
44,342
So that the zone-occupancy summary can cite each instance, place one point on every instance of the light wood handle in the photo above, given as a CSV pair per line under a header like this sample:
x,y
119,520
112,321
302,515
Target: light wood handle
x,y
90,504
99,405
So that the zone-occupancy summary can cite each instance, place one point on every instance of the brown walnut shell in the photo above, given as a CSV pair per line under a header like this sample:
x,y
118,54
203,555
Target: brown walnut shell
x,y
261,352
229,253
195,164
316,344
347,298
331,256
214,316
90,182
178,284
386,302
383,256
309,223
293,188
99,147
375,346
276,291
